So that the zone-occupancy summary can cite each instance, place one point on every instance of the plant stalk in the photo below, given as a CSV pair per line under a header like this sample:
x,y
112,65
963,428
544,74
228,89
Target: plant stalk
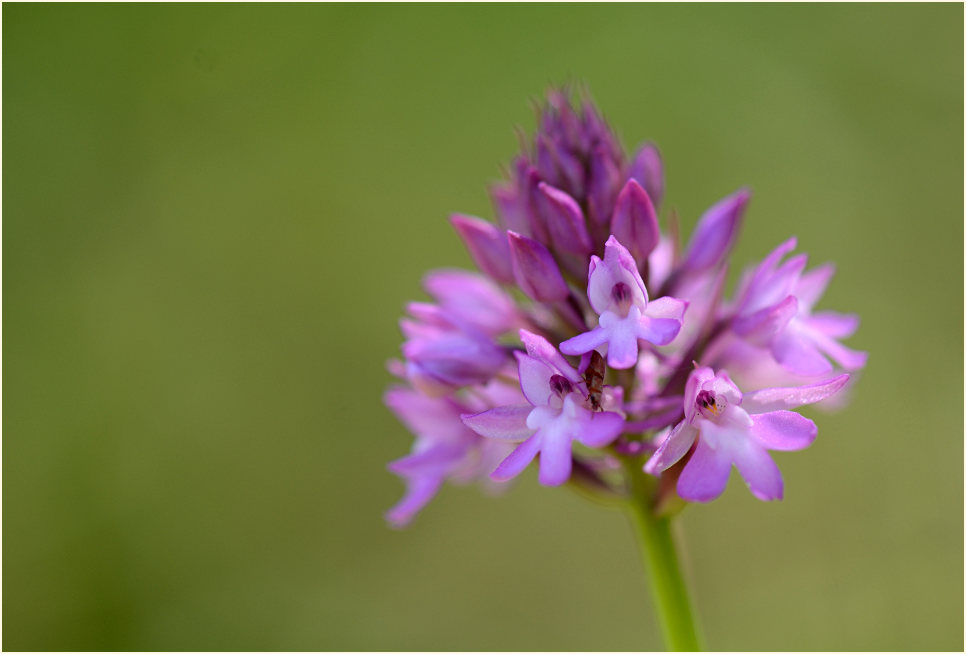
x,y
659,553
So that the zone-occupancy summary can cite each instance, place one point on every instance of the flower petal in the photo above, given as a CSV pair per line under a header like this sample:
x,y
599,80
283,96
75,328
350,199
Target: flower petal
x,y
600,282
419,491
783,430
429,417
635,221
487,246
540,348
705,475
659,331
648,170
774,399
603,185
564,220
666,307
760,327
534,379
715,232
601,429
622,339
584,342
832,324
555,458
472,298
845,356
535,270
797,353
518,459
436,458
675,446
507,423
811,285
759,471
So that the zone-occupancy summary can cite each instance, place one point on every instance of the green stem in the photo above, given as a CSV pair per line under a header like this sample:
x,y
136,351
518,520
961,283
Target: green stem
x,y
659,553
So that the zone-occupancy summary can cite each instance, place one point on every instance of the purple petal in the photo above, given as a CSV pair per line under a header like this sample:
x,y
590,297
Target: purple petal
x,y
559,167
722,385
774,399
528,182
705,475
601,429
619,258
511,211
555,460
519,459
715,232
419,491
846,357
565,220
811,285
430,417
535,270
763,325
456,358
768,284
796,353
472,298
584,342
759,471
603,186
648,169
535,379
659,331
600,283
832,324
622,339
540,348
783,430
434,458
672,449
487,246
508,423
666,307
635,221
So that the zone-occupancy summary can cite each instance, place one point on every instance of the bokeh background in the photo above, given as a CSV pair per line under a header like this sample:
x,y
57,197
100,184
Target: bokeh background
x,y
213,216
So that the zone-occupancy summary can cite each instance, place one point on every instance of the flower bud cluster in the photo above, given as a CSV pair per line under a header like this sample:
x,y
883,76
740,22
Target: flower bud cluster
x,y
590,335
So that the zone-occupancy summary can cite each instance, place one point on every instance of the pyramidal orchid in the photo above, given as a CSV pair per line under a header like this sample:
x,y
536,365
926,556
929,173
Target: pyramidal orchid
x,y
592,347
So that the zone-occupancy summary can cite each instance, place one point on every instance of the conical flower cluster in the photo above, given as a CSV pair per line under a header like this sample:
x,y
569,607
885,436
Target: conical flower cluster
x,y
590,335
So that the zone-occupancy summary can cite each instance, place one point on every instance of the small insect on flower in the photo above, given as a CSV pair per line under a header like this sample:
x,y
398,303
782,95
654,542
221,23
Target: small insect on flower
x,y
594,376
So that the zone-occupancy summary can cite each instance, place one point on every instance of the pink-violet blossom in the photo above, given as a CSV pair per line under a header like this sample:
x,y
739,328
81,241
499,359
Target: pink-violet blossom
x,y
725,428
618,295
560,413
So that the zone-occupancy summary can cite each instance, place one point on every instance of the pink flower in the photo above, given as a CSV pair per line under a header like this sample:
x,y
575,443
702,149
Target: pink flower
x,y
617,293
560,413
726,428
774,310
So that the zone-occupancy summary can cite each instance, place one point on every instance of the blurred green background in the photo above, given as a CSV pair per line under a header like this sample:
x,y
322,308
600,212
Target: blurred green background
x,y
213,216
